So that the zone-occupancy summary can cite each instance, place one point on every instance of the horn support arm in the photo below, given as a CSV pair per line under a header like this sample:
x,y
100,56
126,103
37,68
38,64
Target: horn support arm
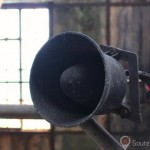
x,y
100,135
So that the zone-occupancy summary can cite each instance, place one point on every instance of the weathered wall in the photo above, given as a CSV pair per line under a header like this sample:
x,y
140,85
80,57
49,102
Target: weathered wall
x,y
88,20
24,141
130,31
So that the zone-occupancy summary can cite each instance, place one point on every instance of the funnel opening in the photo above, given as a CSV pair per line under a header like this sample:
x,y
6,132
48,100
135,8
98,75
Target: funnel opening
x,y
57,55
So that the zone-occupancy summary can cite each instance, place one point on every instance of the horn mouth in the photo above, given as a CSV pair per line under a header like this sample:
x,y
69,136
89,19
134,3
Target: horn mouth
x,y
75,57
57,55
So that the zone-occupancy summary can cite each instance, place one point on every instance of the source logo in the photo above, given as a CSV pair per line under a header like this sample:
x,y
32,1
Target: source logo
x,y
125,141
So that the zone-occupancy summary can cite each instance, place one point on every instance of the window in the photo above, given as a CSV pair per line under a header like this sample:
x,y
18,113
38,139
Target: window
x,y
22,33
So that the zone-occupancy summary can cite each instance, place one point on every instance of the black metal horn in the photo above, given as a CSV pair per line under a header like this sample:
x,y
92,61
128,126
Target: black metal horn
x,y
72,80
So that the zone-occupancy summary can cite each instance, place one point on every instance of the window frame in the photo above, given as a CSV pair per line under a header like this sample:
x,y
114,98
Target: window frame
x,y
21,82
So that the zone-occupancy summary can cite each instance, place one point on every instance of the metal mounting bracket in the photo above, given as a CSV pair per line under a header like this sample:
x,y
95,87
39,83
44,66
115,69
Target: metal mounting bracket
x,y
132,60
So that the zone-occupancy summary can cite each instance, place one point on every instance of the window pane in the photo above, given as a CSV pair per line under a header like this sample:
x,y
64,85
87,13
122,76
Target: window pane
x,y
9,55
9,75
10,123
26,96
9,60
9,23
26,75
9,93
31,124
35,32
35,23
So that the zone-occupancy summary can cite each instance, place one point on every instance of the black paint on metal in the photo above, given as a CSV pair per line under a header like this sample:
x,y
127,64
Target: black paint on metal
x,y
101,136
75,54
132,60
62,76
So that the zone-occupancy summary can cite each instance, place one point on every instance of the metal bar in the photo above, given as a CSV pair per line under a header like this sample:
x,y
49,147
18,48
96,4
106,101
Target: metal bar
x,y
134,87
131,133
19,132
132,60
9,39
102,4
52,138
13,82
144,76
47,4
19,112
25,5
80,4
126,4
20,61
12,132
20,56
108,23
101,136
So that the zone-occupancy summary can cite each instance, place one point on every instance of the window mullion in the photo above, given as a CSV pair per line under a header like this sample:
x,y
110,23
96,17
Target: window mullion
x,y
20,56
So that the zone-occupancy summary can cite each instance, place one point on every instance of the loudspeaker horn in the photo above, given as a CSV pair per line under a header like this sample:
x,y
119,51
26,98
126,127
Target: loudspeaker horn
x,y
72,80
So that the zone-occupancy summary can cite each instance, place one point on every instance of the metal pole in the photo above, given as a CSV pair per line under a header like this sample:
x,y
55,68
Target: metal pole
x,y
101,136
19,112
